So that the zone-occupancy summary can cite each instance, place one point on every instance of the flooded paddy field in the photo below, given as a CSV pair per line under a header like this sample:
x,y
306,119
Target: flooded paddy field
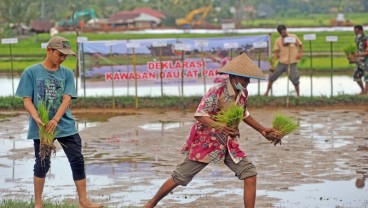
x,y
129,154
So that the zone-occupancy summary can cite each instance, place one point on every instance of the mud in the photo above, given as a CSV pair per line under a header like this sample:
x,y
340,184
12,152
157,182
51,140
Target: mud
x,y
129,154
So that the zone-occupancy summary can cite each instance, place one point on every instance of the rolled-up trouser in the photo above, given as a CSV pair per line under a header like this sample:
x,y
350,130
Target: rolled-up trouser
x,y
72,146
185,171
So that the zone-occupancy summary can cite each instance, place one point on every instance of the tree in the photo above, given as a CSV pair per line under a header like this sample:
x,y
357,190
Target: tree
x,y
18,12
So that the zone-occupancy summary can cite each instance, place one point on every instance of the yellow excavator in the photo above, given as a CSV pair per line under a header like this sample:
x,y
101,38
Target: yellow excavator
x,y
189,21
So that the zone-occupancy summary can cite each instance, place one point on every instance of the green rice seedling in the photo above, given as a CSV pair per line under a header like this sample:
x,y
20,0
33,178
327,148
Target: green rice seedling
x,y
46,139
231,116
349,51
283,125
272,64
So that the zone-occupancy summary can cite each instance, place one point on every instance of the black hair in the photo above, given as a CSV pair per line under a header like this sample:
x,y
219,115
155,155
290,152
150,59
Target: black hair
x,y
359,27
224,53
280,28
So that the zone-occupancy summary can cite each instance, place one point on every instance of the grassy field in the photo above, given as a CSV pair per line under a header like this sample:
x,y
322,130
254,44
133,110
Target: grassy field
x,y
24,204
175,102
305,20
28,51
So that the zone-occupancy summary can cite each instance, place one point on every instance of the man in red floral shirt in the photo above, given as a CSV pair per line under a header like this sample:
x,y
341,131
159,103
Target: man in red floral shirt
x,y
211,141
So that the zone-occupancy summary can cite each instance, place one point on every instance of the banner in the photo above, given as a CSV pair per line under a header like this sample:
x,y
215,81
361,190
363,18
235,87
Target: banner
x,y
193,60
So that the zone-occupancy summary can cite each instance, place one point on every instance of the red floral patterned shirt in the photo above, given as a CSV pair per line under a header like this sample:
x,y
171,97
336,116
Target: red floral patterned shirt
x,y
206,144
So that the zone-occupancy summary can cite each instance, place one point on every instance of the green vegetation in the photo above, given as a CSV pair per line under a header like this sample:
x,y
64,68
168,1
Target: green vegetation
x,y
231,116
305,20
171,102
284,125
23,204
47,139
28,51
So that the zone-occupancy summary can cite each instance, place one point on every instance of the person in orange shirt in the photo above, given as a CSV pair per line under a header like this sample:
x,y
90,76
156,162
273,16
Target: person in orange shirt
x,y
286,53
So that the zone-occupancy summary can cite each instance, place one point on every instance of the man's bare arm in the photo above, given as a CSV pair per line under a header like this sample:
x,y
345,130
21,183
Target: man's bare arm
x,y
59,113
29,106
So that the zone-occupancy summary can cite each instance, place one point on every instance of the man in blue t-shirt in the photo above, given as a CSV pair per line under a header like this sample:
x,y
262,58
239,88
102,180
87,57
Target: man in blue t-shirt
x,y
53,84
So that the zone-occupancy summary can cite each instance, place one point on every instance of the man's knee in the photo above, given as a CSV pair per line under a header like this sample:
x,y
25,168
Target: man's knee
x,y
41,167
181,179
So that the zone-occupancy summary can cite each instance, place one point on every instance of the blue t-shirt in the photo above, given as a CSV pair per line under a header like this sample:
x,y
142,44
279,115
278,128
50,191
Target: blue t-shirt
x,y
41,84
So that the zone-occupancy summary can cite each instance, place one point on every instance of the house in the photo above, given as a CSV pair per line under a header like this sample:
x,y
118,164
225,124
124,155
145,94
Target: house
x,y
41,26
137,18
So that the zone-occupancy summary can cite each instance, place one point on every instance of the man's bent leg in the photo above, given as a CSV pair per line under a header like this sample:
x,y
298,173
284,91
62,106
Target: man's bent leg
x,y
280,68
165,189
250,187
182,175
246,171
362,89
297,90
269,87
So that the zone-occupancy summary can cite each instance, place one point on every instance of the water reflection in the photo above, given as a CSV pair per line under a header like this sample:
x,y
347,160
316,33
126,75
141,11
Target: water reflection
x,y
321,87
163,125
325,194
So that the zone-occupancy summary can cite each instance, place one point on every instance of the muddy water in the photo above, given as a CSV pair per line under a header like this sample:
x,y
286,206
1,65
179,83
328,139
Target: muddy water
x,y
323,164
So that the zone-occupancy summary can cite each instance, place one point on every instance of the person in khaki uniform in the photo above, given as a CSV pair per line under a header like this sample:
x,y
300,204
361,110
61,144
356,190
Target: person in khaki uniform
x,y
211,142
281,52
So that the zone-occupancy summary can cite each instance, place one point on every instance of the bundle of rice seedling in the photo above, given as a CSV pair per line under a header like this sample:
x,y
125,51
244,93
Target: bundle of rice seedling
x,y
231,116
46,139
349,51
272,64
283,125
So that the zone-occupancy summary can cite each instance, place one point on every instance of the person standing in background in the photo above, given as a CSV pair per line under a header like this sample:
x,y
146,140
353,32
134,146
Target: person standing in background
x,y
286,54
361,71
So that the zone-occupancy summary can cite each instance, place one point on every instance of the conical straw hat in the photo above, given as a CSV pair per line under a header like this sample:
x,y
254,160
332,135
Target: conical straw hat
x,y
242,66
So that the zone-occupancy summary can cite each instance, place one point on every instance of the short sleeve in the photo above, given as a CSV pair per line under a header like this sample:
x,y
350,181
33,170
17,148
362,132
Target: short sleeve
x,y
70,85
276,47
26,85
298,42
209,103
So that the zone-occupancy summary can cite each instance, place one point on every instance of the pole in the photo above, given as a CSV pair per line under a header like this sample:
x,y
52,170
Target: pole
x,y
259,65
203,74
84,71
11,67
112,75
287,79
311,66
77,63
135,78
162,86
182,75
128,73
331,67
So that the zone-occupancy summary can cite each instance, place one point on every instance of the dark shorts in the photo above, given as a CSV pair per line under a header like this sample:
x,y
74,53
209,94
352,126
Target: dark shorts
x,y
361,72
185,171
281,68
72,146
